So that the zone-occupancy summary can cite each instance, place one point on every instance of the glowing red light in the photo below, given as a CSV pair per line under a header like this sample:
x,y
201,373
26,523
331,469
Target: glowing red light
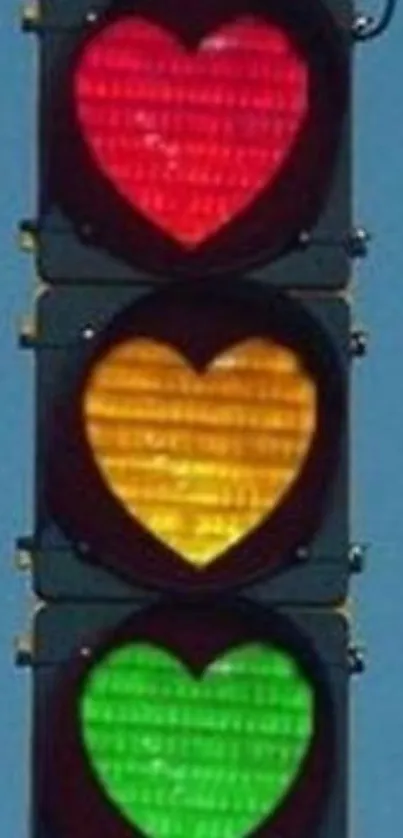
x,y
191,136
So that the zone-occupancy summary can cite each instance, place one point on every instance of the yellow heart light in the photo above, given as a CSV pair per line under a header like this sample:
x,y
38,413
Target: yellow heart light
x,y
200,458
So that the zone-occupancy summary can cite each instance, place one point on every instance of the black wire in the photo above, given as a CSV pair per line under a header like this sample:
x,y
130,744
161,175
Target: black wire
x,y
372,31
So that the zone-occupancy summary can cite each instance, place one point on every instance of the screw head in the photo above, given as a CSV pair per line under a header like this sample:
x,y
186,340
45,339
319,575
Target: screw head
x,y
304,238
91,16
302,553
88,333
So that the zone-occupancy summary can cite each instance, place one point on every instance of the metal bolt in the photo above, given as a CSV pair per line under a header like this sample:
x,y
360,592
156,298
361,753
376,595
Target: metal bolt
x,y
27,333
27,236
356,660
361,24
91,17
30,16
88,332
23,560
302,553
356,243
357,557
358,343
304,238
23,650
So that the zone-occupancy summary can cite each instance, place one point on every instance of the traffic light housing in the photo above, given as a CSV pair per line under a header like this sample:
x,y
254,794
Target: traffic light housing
x,y
206,140
189,718
192,349
196,486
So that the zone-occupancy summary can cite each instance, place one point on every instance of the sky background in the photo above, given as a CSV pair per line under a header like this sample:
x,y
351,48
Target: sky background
x,y
377,425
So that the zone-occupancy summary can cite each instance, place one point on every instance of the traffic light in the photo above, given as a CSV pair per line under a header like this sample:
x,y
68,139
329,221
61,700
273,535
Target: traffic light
x,y
195,139
195,719
192,353
206,425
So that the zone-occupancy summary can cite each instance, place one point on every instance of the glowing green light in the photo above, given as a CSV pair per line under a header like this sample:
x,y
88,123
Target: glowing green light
x,y
207,757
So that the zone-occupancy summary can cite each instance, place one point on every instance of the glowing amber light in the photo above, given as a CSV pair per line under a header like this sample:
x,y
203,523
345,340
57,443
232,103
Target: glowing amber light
x,y
199,457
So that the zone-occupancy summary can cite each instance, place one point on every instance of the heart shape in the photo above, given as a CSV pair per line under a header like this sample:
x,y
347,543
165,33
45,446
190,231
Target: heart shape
x,y
199,457
179,754
190,135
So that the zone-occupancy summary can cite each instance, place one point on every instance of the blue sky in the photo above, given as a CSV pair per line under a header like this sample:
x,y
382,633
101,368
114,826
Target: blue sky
x,y
377,436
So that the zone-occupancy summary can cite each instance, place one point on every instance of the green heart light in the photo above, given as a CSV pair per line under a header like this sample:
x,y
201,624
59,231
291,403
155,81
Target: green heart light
x,y
207,756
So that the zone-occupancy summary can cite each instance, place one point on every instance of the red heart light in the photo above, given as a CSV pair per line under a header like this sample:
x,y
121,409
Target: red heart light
x,y
190,137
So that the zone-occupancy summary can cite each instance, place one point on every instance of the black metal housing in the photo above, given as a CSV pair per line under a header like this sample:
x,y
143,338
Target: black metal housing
x,y
69,639
312,566
84,233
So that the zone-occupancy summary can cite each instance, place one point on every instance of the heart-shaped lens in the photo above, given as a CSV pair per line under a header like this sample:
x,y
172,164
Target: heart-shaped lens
x,y
181,755
190,135
199,457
